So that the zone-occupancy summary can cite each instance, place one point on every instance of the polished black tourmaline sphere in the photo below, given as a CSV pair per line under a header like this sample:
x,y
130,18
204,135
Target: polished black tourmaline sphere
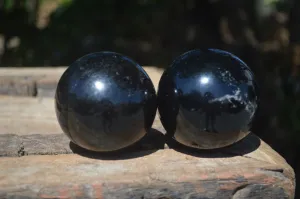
x,y
207,99
105,102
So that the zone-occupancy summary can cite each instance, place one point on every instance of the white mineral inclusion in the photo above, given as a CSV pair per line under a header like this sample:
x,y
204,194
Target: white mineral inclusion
x,y
250,107
236,96
99,85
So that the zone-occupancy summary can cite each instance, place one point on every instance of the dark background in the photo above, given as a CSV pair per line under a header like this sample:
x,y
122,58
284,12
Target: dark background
x,y
264,33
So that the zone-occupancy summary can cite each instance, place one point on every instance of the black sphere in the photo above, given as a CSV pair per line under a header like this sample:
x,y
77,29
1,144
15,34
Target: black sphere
x,y
207,99
105,102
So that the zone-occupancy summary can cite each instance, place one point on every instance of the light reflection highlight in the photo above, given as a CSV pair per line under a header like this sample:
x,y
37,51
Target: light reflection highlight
x,y
204,80
99,85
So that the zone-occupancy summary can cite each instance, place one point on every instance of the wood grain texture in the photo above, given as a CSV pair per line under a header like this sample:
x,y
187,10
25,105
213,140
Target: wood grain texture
x,y
29,81
38,161
24,115
52,144
28,115
165,173
42,81
17,86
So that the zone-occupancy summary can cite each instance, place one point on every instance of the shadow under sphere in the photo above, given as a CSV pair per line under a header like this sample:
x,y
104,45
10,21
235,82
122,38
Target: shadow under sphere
x,y
153,141
105,102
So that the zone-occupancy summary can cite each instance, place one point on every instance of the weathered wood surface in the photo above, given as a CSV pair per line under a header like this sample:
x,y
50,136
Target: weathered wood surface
x,y
28,115
38,161
29,81
41,81
149,174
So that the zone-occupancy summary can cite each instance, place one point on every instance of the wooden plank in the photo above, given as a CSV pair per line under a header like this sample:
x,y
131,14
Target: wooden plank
x,y
17,86
52,144
167,173
27,115
42,81
47,71
31,71
35,78
237,171
30,136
